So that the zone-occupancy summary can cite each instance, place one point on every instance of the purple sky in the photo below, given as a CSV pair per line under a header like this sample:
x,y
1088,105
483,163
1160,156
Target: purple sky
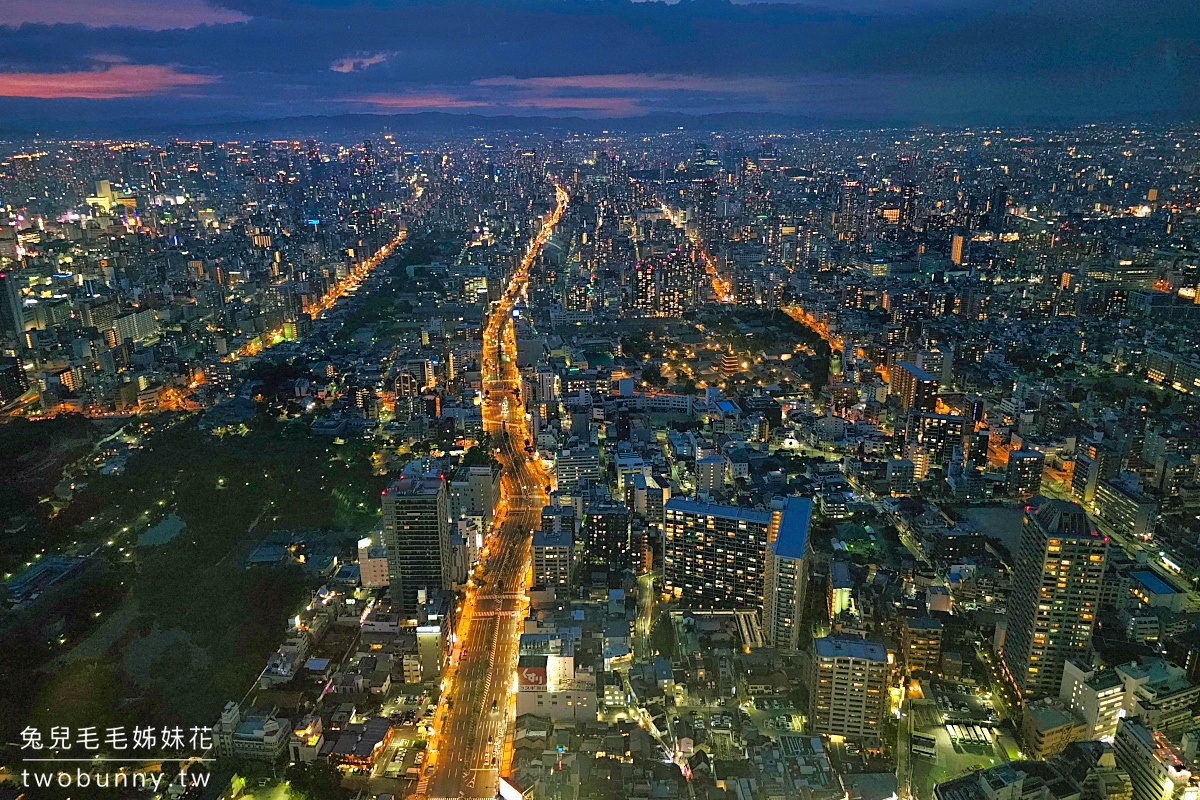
x,y
855,61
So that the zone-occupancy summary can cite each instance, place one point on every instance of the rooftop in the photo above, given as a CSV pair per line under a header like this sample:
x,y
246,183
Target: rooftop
x,y
408,485
1047,716
916,371
753,515
551,538
845,647
1153,583
1061,518
791,540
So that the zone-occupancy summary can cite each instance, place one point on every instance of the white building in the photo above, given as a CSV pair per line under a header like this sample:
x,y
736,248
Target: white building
x,y
711,473
252,738
848,687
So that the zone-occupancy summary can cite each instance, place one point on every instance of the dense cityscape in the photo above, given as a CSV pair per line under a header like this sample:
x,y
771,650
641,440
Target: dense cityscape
x,y
800,464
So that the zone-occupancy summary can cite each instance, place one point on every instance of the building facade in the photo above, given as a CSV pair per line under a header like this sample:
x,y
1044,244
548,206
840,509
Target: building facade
x,y
1056,593
848,687
416,533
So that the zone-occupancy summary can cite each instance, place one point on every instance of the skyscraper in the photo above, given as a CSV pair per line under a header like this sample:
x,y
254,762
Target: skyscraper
x,y
786,568
847,687
997,208
713,554
1025,472
606,534
1056,591
416,531
915,388
12,313
908,206
958,250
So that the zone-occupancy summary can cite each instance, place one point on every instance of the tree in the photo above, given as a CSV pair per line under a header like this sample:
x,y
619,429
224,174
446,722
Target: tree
x,y
652,375
317,781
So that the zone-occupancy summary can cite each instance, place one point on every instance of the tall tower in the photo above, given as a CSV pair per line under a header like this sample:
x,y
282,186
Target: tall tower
x,y
12,314
1056,592
416,531
916,389
786,572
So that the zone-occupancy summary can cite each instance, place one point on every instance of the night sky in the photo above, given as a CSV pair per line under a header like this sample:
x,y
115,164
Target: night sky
x,y
851,62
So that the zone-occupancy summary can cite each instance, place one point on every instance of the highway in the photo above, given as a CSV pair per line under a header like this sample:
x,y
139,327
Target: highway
x,y
467,749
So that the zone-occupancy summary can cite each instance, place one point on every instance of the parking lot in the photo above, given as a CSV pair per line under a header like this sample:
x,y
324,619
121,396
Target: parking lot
x,y
772,716
961,744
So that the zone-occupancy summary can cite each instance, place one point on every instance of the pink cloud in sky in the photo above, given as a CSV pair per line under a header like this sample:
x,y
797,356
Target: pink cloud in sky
x,y
618,106
634,81
419,101
357,63
116,81
151,15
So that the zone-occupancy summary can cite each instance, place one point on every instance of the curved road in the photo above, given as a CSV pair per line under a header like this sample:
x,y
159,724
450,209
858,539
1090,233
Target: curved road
x,y
467,748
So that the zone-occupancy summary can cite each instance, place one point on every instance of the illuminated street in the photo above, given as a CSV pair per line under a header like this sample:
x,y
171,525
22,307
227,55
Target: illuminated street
x,y
468,747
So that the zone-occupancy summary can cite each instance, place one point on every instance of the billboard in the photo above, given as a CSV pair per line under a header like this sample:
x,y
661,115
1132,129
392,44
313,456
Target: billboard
x,y
531,679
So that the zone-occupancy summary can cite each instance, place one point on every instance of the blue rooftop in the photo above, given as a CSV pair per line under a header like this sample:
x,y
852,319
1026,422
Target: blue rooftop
x,y
792,539
846,647
1153,583
918,373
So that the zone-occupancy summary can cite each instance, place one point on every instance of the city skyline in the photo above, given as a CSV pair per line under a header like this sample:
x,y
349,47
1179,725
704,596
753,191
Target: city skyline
x,y
593,400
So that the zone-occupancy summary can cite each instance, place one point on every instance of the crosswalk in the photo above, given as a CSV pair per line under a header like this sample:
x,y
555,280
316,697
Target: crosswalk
x,y
486,614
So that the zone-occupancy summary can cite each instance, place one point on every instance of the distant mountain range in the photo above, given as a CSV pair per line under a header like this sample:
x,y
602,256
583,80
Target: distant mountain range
x,y
423,122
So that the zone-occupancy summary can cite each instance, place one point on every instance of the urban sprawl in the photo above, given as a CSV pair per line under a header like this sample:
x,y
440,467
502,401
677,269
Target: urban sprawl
x,y
847,465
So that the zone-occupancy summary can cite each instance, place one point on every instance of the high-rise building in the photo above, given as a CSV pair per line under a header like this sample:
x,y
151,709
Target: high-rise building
x,y
713,554
1094,462
1122,504
786,566
416,533
552,557
915,388
908,206
958,250
136,326
474,492
576,464
711,473
1056,592
847,687
931,440
921,641
13,382
1097,696
12,312
997,208
1025,472
606,534
1157,769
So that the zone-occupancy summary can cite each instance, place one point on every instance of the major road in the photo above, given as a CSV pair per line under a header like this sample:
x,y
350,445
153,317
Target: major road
x,y
468,748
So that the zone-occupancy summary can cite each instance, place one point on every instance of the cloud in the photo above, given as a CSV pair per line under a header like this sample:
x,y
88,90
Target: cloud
x,y
632,81
419,101
358,63
113,82
150,15
940,61
610,106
